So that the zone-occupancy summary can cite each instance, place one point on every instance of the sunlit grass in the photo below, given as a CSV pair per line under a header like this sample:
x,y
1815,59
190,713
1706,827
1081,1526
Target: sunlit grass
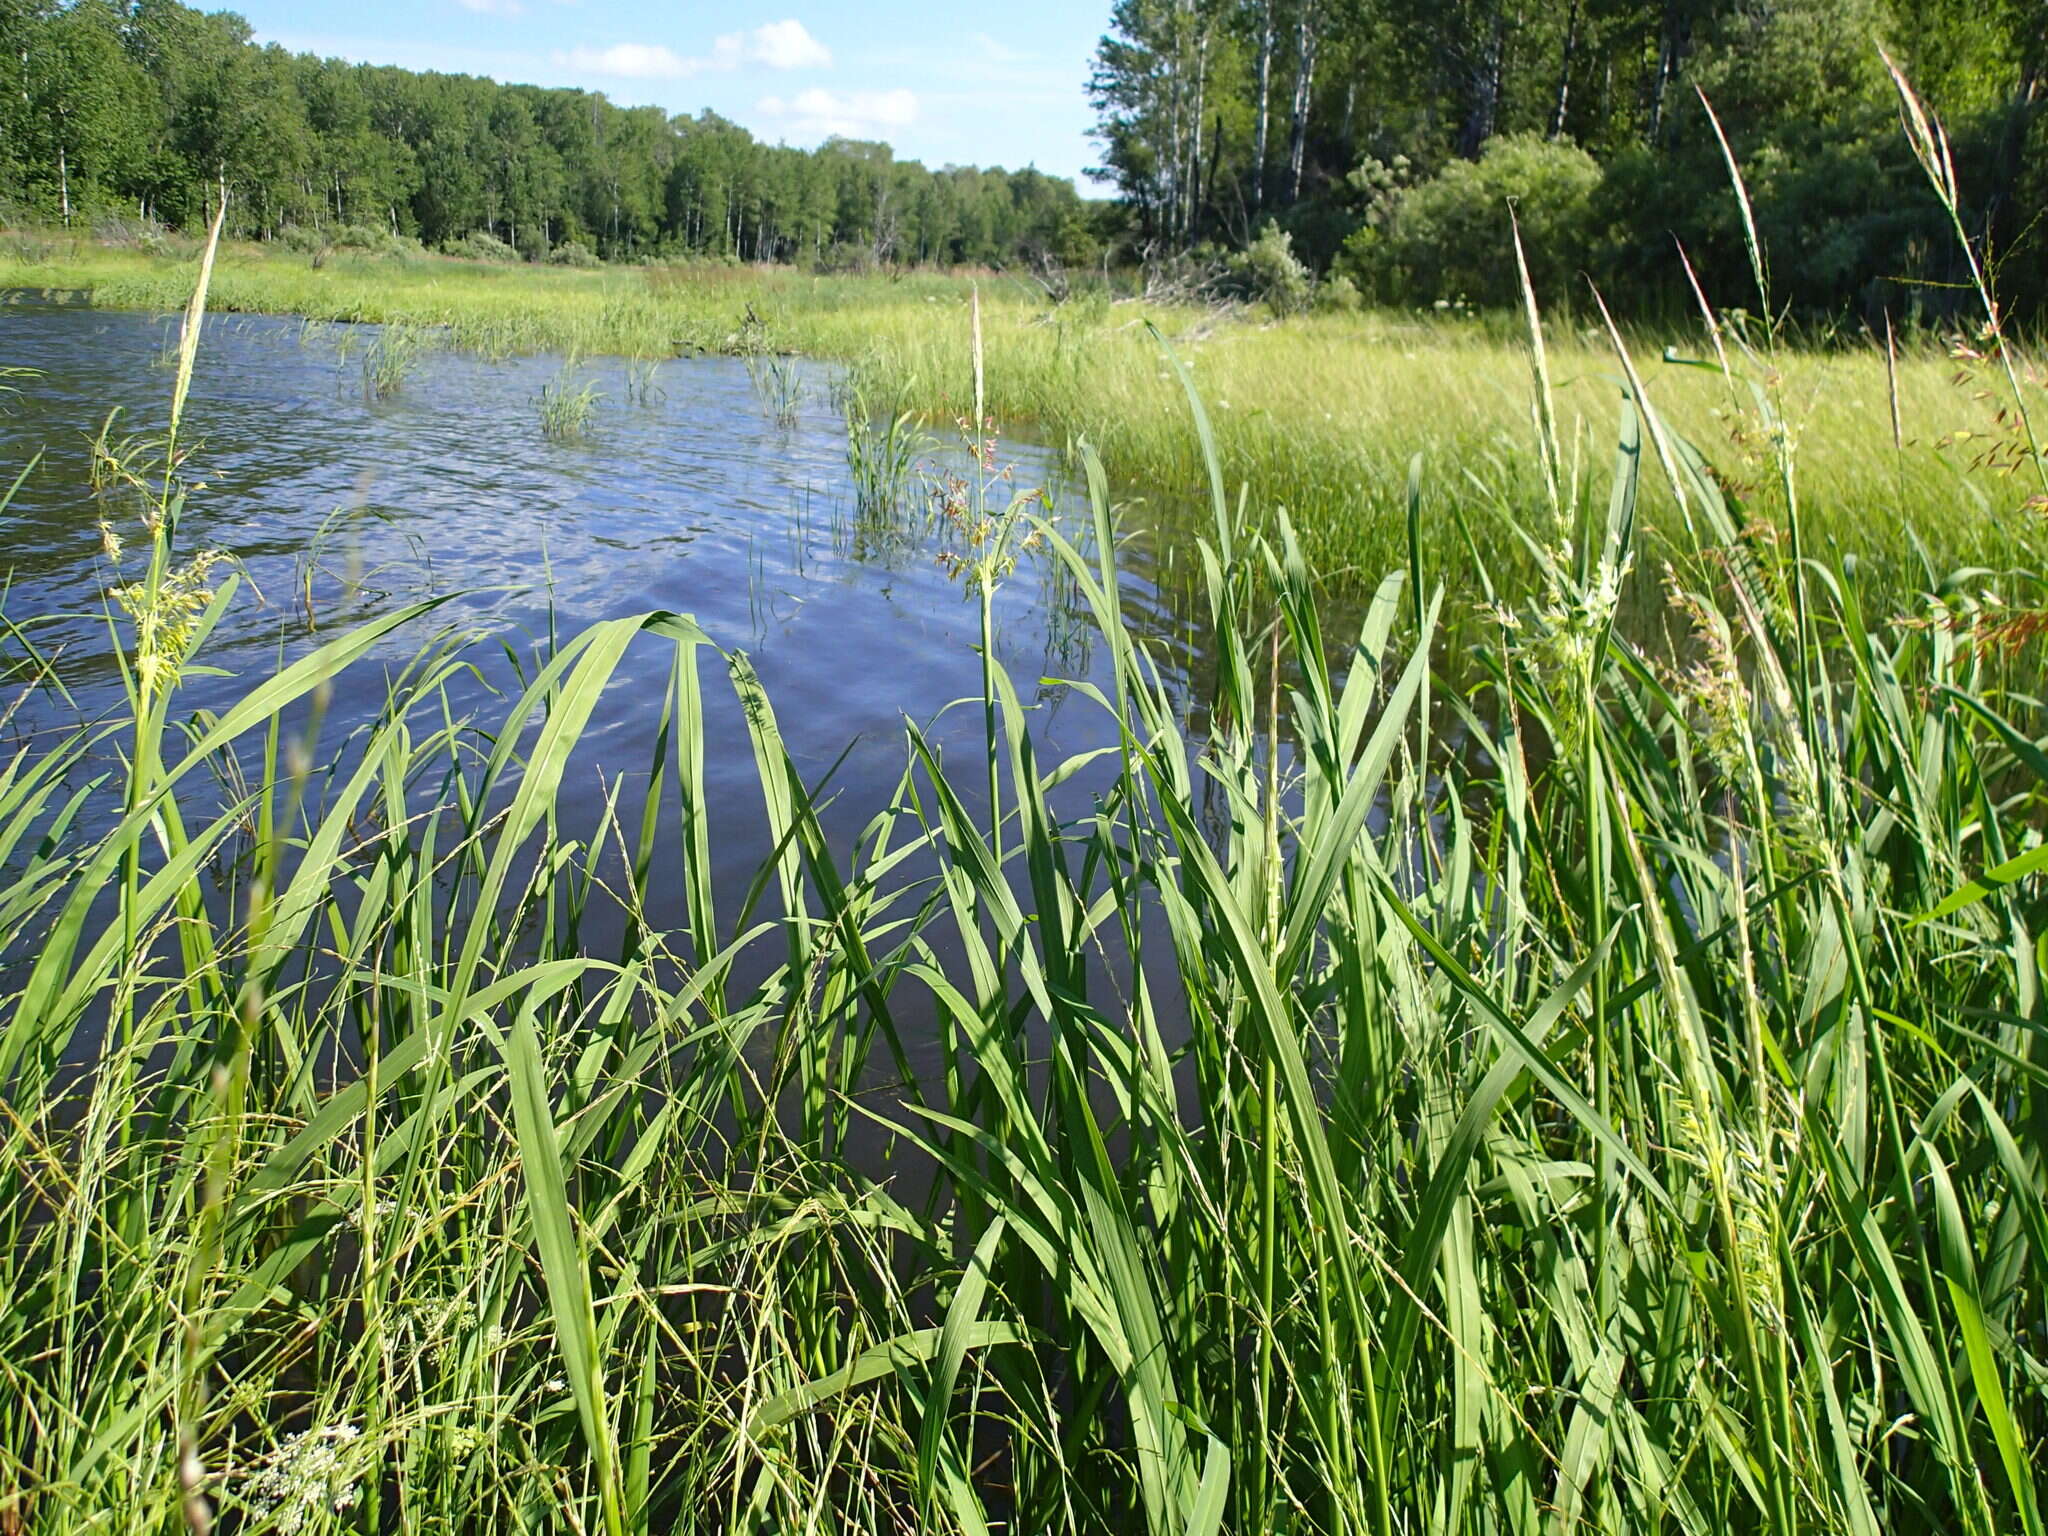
x,y
1607,1099
1323,413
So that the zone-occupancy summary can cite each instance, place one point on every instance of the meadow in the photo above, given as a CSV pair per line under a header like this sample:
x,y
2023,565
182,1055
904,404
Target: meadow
x,y
1606,1093
1325,413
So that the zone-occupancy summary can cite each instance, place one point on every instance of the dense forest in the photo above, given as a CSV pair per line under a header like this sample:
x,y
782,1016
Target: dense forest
x,y
147,107
1385,137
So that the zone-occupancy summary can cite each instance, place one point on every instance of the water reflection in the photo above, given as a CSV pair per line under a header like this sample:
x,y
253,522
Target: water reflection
x,y
693,489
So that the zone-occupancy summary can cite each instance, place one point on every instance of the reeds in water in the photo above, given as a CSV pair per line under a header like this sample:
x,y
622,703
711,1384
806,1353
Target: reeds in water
x,y
567,404
1608,1095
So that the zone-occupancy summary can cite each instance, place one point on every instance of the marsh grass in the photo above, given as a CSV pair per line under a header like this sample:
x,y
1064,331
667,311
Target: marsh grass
x,y
643,381
778,382
883,451
1323,412
568,403
391,359
1608,1096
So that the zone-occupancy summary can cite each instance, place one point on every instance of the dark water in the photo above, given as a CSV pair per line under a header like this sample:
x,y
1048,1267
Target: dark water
x,y
692,496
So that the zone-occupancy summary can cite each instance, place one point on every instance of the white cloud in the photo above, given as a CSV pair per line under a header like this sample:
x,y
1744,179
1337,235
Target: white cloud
x,y
631,61
787,45
817,114
492,7
781,45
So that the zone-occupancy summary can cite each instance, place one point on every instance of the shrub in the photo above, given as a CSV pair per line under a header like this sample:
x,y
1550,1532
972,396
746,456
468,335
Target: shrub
x,y
1338,294
481,245
846,258
1448,237
1269,271
121,231
363,239
571,253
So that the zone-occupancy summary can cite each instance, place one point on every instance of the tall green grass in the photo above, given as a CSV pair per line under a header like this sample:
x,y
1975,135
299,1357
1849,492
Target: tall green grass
x,y
1322,412
1609,1095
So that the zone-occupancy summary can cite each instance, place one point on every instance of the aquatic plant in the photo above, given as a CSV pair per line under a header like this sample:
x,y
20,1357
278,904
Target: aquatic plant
x,y
567,404
778,383
642,386
391,359
1577,1102
882,450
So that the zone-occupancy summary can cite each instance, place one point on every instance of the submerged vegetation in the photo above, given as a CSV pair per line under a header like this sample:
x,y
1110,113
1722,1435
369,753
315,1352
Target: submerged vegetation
x,y
1611,1094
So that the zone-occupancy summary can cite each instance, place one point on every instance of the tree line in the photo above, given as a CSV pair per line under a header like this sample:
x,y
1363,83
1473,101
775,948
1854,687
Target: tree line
x,y
150,108
1385,137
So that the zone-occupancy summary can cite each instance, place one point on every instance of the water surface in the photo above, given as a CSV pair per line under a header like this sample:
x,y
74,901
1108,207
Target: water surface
x,y
690,492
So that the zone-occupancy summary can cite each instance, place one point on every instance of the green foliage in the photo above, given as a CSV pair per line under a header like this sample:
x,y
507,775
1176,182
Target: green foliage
x,y
1268,271
480,245
573,253
1449,237
358,239
567,405
391,359
151,107
1339,294
1219,114
1605,1097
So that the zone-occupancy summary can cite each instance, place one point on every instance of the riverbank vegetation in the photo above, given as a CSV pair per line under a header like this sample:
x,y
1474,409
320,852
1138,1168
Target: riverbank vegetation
x,y
1323,410
1608,1094
1386,138
1559,1047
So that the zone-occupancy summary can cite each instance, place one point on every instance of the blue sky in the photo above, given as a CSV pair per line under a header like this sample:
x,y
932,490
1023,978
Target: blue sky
x,y
983,85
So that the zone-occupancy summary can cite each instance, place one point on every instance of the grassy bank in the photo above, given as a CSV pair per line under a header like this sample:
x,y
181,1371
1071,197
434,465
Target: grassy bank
x,y
1615,1102
1323,413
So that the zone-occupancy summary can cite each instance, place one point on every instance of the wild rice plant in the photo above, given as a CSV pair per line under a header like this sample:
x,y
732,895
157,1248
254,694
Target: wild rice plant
x,y
391,359
1608,1094
778,383
881,453
641,385
567,405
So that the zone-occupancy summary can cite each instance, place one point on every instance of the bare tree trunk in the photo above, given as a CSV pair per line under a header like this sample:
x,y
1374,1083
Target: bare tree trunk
x,y
64,183
1265,91
1482,113
1215,157
1564,72
1305,37
1671,50
1194,171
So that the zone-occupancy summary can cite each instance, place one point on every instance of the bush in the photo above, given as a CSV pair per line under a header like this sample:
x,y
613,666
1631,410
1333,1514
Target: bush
x,y
846,258
571,253
1339,295
123,232
1269,271
1448,237
481,245
364,239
